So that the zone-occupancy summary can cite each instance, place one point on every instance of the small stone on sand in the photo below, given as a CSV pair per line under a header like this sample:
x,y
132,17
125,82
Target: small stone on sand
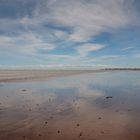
x,y
108,97
24,90
77,124
102,132
80,135
99,118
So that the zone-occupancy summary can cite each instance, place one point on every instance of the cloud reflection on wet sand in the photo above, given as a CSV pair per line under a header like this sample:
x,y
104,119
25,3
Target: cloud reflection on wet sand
x,y
72,108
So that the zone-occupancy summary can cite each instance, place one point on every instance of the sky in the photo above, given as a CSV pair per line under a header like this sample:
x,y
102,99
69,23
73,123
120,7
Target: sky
x,y
96,33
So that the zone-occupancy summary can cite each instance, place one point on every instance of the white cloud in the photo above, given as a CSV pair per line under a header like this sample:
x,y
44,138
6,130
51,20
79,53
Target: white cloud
x,y
53,56
109,57
86,48
31,49
137,55
26,43
88,18
5,40
128,48
67,23
24,37
60,34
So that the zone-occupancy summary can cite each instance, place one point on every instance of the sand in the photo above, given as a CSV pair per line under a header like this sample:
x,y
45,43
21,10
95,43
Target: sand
x,y
9,75
37,75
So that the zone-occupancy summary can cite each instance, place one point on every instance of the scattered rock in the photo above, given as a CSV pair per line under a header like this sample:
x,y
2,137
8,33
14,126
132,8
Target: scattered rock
x,y
77,124
108,97
80,135
24,90
99,118
102,132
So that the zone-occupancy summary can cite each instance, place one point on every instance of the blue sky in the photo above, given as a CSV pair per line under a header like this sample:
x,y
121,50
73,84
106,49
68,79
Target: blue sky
x,y
70,33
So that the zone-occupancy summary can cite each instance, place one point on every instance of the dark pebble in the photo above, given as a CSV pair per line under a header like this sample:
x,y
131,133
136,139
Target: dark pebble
x,y
80,135
102,132
24,90
99,118
77,124
108,97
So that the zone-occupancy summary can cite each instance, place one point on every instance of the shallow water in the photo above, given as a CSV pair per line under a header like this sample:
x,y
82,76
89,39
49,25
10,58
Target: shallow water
x,y
99,106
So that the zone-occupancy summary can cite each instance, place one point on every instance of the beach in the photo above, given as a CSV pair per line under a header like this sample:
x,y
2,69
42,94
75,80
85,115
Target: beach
x,y
35,75
8,75
69,105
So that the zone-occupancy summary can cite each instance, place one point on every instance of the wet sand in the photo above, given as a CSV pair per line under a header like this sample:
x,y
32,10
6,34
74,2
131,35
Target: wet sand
x,y
98,106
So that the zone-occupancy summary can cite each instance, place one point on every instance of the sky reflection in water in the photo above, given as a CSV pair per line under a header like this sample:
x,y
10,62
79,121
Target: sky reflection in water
x,y
40,110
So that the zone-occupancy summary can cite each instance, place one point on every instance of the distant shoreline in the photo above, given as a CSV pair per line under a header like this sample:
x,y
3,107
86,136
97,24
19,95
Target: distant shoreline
x,y
7,75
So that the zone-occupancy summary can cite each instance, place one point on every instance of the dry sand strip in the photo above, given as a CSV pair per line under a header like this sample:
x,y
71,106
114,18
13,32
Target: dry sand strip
x,y
37,75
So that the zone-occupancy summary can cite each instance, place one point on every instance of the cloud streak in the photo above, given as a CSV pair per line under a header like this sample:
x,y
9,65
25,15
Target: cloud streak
x,y
87,48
